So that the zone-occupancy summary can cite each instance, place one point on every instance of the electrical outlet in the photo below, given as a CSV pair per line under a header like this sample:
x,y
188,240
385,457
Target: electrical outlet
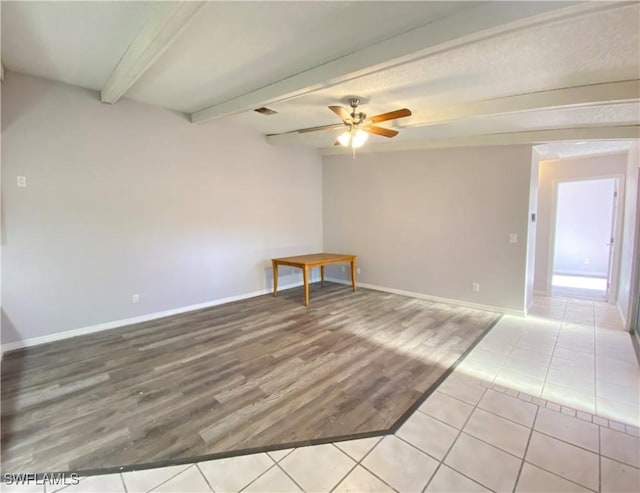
x,y
344,269
358,270
22,181
513,237
135,298
475,287
586,261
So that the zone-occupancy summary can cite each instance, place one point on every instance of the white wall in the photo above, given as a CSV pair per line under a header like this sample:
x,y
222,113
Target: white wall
x,y
584,214
131,198
433,221
629,247
566,169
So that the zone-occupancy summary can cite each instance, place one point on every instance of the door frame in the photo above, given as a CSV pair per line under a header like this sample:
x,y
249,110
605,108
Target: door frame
x,y
612,292
634,288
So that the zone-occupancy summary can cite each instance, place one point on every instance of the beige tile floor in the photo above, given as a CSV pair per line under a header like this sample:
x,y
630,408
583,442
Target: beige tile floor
x,y
549,403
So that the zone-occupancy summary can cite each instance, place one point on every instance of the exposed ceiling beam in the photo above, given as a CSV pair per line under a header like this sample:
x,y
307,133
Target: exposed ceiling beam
x,y
594,94
165,23
625,132
476,22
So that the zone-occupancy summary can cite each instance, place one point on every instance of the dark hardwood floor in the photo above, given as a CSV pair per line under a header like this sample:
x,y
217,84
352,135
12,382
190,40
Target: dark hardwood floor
x,y
257,373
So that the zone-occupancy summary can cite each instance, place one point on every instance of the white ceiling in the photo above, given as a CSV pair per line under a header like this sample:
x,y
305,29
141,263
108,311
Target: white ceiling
x,y
568,150
234,47
79,43
463,68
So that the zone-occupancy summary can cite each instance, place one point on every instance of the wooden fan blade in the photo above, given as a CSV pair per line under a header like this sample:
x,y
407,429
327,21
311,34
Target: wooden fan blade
x,y
323,127
392,115
385,132
342,113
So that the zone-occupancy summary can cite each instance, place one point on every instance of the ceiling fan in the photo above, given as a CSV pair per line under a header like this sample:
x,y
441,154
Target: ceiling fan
x,y
358,125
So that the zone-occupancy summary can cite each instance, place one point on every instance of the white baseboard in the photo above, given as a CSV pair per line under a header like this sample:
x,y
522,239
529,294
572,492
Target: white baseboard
x,y
34,341
422,296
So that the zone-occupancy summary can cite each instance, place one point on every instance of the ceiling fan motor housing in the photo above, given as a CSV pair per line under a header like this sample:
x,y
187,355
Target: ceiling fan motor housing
x,y
358,118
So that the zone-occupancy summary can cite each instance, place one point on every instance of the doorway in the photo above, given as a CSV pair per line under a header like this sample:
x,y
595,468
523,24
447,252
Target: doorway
x,y
584,238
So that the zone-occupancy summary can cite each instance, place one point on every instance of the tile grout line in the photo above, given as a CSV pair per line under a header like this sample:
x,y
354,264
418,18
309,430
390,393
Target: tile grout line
x,y
595,380
343,477
455,440
206,480
289,476
595,362
482,409
593,416
370,450
123,483
359,463
599,459
594,351
561,477
547,470
564,441
555,346
348,472
595,371
492,444
533,429
418,448
284,456
617,459
526,449
260,475
493,381
169,479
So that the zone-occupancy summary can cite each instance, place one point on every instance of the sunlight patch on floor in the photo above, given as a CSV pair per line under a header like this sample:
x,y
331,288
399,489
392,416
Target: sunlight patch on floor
x,y
592,283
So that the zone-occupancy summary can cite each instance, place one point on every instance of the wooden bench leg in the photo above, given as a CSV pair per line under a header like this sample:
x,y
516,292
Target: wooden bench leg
x,y
305,276
353,274
275,278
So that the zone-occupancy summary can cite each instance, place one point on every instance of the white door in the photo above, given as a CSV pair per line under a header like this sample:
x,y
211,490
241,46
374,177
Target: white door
x,y
584,229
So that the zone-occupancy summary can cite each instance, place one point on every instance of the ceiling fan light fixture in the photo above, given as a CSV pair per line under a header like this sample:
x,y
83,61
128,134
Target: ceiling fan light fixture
x,y
352,138
345,138
359,138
